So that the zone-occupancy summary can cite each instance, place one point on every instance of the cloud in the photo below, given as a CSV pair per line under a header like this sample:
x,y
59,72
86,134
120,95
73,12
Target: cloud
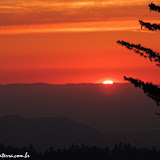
x,y
40,12
70,27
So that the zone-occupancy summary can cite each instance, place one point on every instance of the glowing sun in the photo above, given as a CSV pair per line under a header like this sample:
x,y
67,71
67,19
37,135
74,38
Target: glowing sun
x,y
108,82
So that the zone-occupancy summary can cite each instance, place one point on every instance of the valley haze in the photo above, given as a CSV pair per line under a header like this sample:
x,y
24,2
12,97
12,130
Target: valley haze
x,y
93,113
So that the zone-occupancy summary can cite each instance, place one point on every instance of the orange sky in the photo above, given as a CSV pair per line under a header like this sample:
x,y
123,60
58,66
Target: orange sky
x,y
74,41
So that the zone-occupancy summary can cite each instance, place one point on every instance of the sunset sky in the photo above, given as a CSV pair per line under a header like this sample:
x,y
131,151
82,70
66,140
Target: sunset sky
x,y
74,41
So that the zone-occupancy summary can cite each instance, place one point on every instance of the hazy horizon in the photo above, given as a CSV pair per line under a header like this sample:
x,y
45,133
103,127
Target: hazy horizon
x,y
70,83
120,111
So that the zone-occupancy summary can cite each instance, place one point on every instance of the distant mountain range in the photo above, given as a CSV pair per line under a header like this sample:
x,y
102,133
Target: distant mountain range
x,y
44,132
96,114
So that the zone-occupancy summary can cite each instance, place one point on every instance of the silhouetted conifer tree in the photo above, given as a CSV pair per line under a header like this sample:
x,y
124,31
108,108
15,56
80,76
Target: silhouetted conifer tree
x,y
149,89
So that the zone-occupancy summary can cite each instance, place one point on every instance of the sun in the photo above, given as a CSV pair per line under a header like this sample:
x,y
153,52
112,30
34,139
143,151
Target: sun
x,y
108,82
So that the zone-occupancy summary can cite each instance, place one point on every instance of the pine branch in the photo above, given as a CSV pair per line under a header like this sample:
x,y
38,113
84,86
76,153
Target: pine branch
x,y
142,51
149,26
153,7
149,89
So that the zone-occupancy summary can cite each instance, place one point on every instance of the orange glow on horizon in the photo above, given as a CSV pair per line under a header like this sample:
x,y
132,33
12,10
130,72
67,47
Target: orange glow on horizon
x,y
55,42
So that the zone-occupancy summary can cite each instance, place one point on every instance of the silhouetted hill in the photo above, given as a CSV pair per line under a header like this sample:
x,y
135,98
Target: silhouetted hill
x,y
119,111
44,132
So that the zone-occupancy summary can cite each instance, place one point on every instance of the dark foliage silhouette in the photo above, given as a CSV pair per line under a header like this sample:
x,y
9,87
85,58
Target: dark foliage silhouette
x,y
142,51
153,7
152,27
149,89
118,152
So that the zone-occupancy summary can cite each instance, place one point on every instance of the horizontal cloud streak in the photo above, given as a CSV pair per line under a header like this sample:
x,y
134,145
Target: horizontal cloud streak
x,y
71,27
60,11
71,3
